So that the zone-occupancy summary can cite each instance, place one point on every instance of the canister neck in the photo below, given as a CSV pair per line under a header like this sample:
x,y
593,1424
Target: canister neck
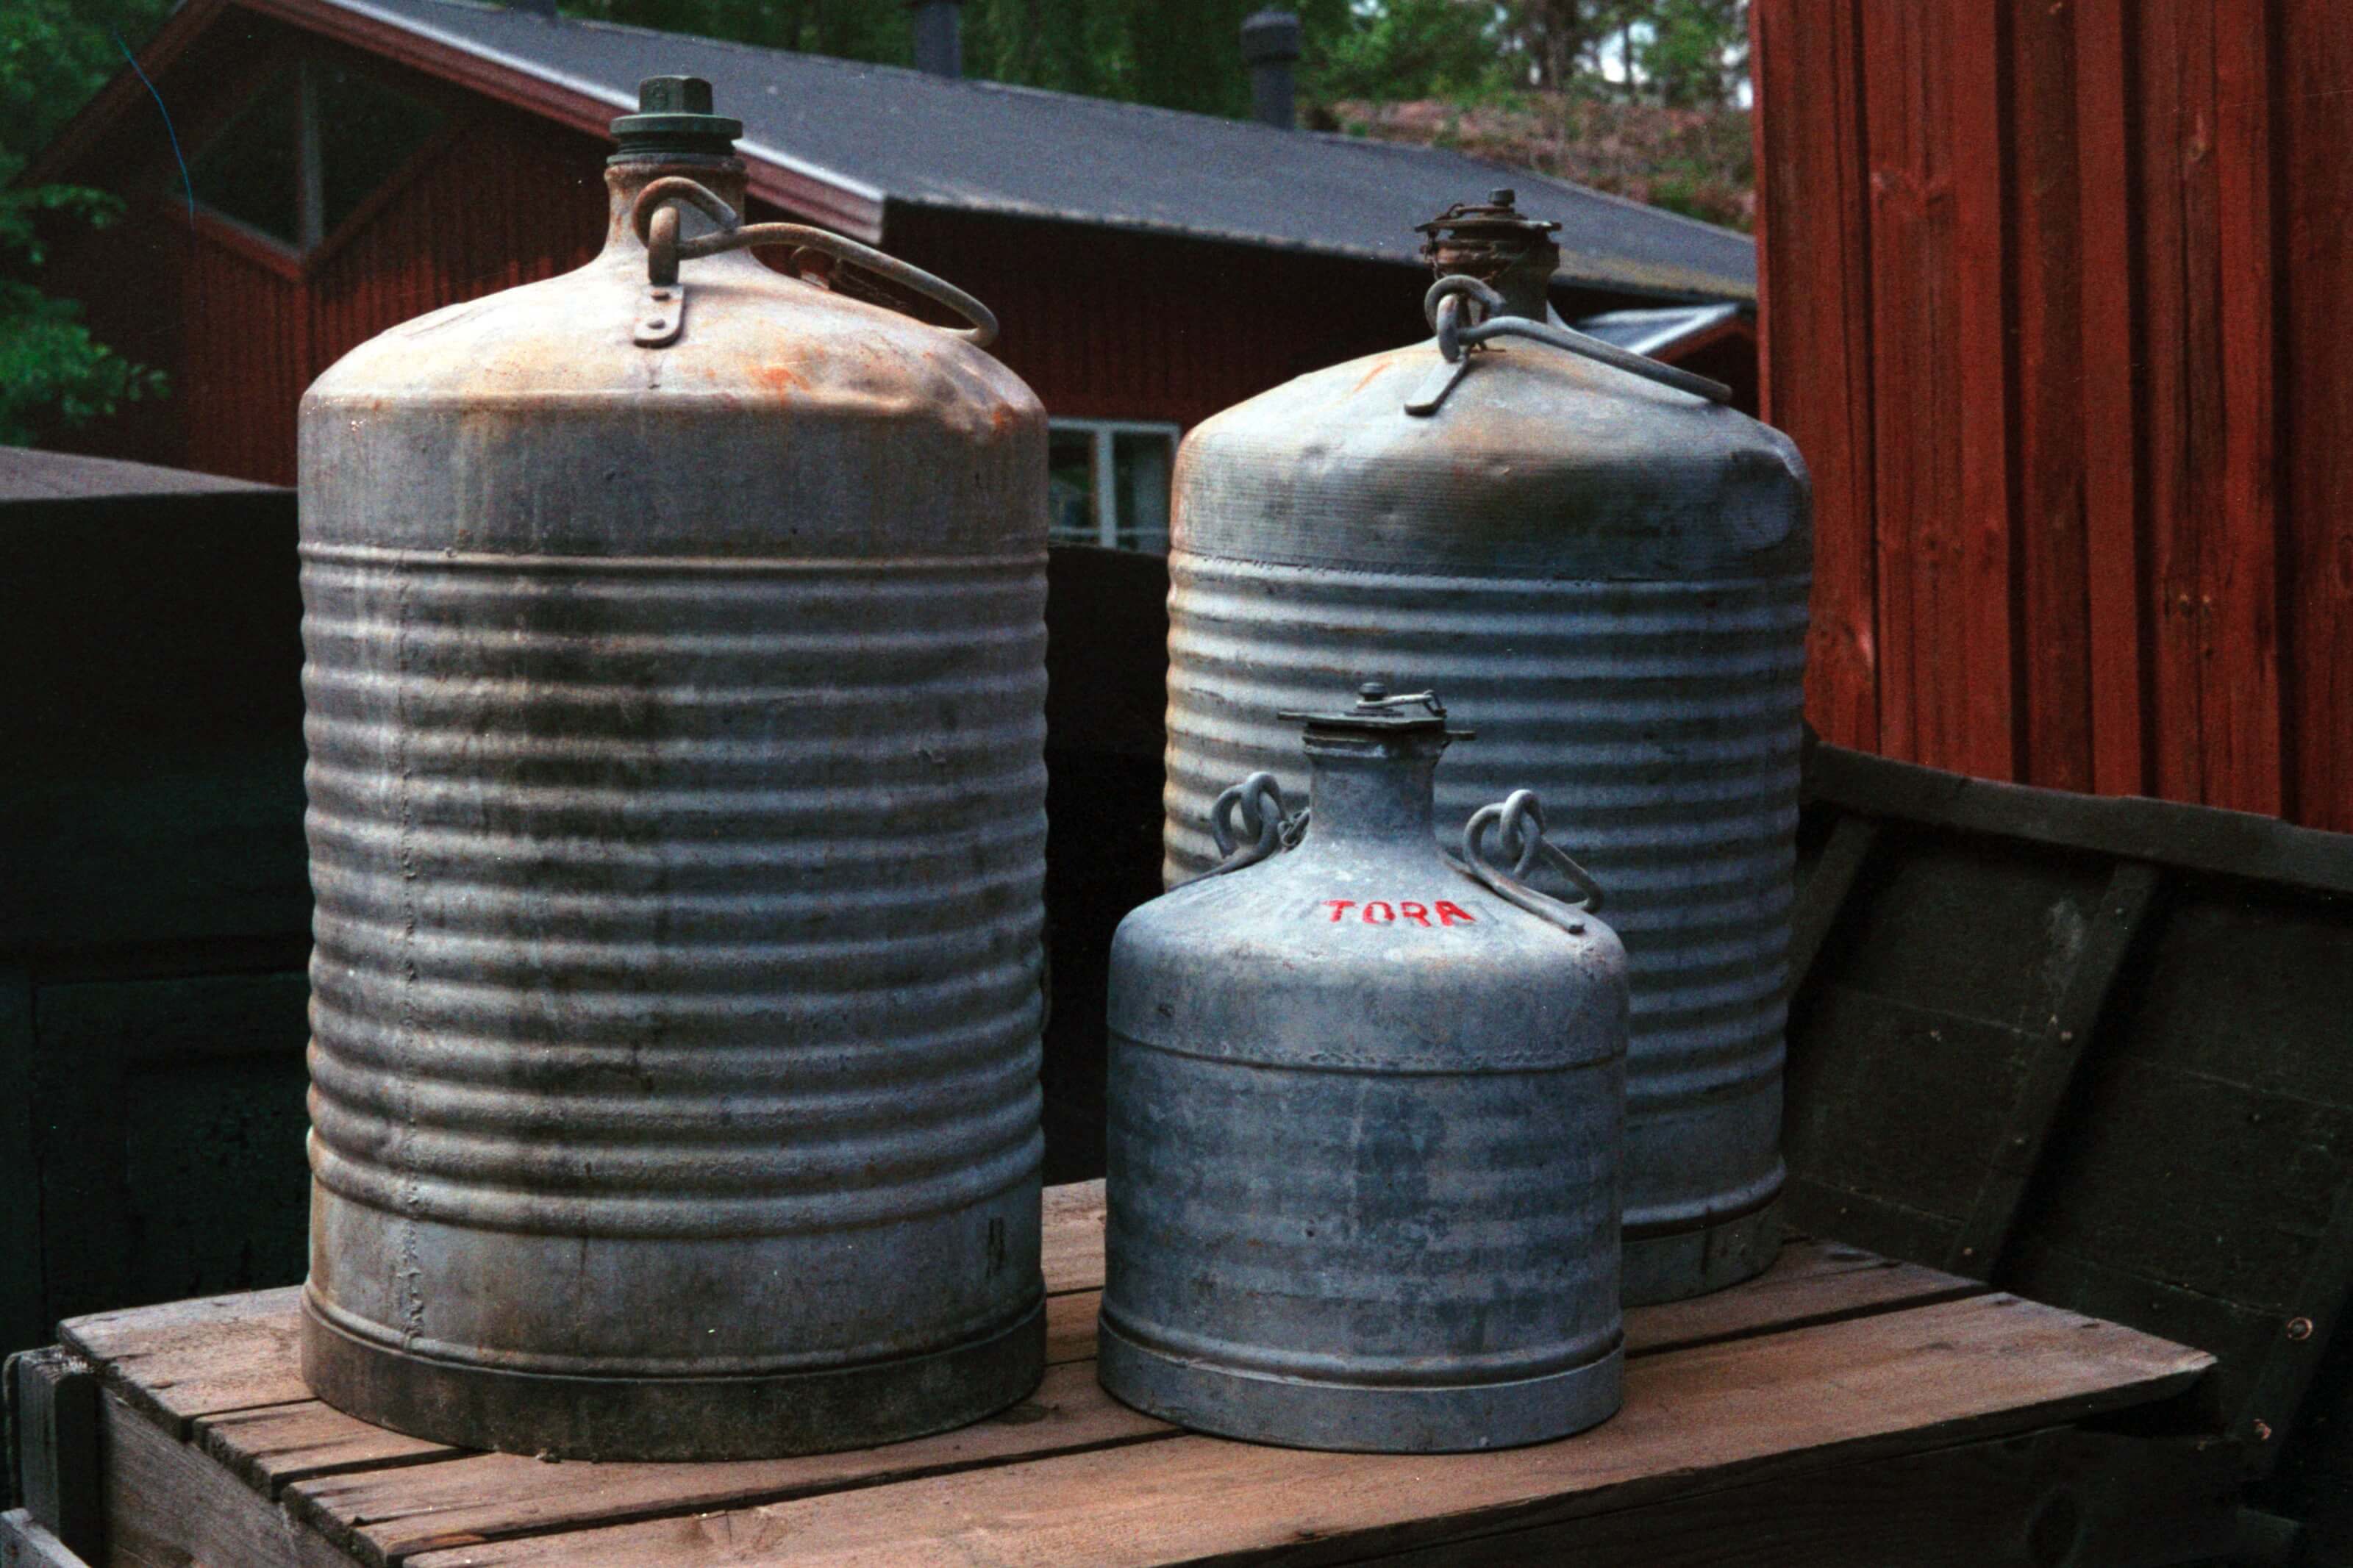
x,y
1363,787
723,177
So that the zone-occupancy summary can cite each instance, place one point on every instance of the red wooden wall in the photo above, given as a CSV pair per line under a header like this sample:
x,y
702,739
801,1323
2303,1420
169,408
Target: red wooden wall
x,y
2056,303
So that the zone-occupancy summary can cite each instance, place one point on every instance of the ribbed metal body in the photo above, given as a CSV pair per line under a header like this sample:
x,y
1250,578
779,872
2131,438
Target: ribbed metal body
x,y
1365,1133
1608,579
677,827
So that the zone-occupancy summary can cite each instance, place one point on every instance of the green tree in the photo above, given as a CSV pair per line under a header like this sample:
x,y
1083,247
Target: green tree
x,y
848,29
1404,48
1695,51
54,374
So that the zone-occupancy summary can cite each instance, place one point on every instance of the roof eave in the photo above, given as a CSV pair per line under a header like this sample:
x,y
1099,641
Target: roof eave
x,y
1666,284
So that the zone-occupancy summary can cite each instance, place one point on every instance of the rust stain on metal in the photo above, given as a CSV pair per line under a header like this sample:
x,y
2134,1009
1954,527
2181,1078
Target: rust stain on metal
x,y
780,379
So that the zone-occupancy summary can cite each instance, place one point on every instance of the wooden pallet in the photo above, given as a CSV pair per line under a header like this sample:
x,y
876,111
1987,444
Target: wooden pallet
x,y
1843,1408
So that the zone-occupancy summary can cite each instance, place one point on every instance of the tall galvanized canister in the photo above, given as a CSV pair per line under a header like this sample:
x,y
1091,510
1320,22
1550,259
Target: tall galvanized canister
x,y
1607,576
1365,1122
675,693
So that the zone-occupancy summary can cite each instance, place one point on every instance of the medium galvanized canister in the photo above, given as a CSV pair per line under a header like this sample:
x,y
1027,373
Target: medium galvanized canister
x,y
1608,578
675,682
1366,1118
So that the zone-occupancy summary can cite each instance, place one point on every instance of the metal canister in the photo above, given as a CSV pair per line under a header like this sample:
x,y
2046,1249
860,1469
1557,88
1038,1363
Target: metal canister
x,y
1607,578
1365,1116
675,682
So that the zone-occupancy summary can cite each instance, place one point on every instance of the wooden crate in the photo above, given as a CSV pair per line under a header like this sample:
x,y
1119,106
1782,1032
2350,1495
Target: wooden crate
x,y
1841,1409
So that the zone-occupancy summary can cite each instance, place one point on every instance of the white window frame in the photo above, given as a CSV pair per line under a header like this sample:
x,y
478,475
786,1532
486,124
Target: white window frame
x,y
1105,466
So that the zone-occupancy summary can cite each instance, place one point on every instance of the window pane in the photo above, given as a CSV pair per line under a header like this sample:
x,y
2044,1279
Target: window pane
x,y
249,171
366,132
1141,461
1070,487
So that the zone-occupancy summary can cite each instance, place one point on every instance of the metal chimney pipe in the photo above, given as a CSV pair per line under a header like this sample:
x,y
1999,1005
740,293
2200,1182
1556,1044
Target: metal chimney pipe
x,y
939,36
1271,47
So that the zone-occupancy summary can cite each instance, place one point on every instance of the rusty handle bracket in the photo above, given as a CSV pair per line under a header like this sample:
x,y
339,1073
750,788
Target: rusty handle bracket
x,y
655,220
1451,298
1517,823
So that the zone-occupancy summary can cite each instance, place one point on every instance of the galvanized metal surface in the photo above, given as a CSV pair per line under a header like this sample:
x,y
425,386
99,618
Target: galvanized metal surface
x,y
1608,579
1364,1130
676,830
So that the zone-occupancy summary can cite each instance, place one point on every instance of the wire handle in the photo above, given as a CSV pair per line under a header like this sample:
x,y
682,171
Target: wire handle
x,y
1451,296
655,219
1517,823
1267,825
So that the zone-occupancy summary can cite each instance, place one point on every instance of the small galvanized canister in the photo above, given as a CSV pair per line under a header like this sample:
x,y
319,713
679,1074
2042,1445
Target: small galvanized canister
x,y
1607,576
675,684
1365,1116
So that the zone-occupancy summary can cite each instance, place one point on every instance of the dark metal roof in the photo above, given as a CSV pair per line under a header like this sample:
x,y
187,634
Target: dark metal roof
x,y
897,137
30,476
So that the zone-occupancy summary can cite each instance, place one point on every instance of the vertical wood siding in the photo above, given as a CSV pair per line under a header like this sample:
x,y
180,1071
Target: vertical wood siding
x,y
490,207
2054,303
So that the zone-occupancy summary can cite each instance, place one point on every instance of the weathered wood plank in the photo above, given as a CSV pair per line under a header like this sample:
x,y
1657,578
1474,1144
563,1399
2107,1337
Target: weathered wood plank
x,y
2232,1333
2109,278
274,1446
1915,395
2314,139
1813,281
1982,930
196,1358
1899,1100
2239,546
2064,1495
1748,1409
2203,839
2286,1373
383,1516
55,1407
2054,669
1868,1219
1071,1326
1071,1240
2247,1179
2181,362
170,1506
1825,893
1977,619
1812,1282
25,1543
2051,1071
190,1359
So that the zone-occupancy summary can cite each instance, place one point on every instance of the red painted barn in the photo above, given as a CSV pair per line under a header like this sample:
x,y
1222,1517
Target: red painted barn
x,y
356,163
2056,304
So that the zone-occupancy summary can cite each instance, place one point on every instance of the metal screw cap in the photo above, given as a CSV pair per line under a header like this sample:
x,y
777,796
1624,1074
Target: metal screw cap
x,y
1379,712
674,120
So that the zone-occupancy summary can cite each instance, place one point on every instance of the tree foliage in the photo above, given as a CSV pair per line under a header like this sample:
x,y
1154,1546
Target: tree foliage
x,y
54,374
1183,54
